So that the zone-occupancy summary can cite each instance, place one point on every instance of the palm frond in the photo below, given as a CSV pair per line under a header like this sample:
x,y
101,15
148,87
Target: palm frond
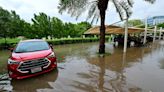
x,y
150,1
130,2
118,9
123,8
93,12
79,7
73,7
127,8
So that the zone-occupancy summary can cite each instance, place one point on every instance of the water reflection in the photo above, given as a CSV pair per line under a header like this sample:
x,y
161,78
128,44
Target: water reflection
x,y
4,54
162,64
101,74
113,79
5,83
95,77
82,70
114,61
119,83
32,84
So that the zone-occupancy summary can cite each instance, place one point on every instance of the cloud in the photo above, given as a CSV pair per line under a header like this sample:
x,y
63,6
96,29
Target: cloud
x,y
143,9
26,9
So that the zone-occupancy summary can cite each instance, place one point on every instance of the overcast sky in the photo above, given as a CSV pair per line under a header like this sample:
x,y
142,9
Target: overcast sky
x,y
26,9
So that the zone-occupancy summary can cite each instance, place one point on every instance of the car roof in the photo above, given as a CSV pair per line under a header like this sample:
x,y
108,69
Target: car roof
x,y
31,40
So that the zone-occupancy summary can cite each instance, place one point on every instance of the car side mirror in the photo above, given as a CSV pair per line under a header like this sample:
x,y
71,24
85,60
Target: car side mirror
x,y
51,46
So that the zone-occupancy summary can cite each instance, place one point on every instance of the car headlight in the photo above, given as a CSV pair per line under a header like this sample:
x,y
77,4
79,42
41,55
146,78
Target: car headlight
x,y
10,61
52,55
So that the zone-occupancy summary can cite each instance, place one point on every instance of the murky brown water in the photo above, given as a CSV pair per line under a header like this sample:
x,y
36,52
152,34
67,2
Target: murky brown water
x,y
80,69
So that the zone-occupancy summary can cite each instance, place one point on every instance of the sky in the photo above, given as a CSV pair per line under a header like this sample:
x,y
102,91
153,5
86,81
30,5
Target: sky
x,y
27,8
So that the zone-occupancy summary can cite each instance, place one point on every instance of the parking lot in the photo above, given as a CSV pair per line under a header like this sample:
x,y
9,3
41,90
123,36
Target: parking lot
x,y
81,69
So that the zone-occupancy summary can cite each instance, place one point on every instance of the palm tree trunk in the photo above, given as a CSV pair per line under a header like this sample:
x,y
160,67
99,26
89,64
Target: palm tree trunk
x,y
102,5
102,33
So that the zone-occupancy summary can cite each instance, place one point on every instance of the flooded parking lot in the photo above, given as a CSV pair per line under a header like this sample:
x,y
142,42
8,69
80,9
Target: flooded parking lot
x,y
81,69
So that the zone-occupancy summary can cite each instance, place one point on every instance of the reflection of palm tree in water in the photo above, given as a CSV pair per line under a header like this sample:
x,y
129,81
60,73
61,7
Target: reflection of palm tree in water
x,y
97,81
101,74
98,77
115,64
116,83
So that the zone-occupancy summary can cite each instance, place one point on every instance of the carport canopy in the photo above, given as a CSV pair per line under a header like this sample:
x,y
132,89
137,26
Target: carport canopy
x,y
112,29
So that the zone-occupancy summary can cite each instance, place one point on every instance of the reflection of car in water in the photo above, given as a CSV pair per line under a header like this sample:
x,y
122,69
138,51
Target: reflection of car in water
x,y
132,40
35,83
31,58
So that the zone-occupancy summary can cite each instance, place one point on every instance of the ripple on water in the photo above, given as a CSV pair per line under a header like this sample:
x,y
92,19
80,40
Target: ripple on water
x,y
5,83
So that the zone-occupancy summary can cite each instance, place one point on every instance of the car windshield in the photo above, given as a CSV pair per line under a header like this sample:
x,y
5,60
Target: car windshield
x,y
31,46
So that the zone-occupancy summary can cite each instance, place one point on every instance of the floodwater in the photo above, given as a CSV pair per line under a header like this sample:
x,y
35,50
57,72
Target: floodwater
x,y
81,69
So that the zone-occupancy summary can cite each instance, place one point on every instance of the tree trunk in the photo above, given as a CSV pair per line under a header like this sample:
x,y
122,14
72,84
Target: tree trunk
x,y
102,33
102,6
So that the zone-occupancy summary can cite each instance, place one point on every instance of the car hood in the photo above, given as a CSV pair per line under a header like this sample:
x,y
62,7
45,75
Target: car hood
x,y
30,55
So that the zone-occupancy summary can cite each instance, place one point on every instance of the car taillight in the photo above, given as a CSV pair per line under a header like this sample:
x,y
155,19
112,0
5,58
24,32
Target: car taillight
x,y
11,62
52,55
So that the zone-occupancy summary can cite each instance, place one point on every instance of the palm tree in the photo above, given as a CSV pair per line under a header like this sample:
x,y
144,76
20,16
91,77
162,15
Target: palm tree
x,y
96,9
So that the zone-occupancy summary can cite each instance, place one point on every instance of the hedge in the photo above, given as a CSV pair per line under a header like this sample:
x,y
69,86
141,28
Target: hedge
x,y
54,41
71,40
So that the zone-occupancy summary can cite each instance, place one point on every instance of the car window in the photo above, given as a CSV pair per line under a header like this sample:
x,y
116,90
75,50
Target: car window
x,y
31,46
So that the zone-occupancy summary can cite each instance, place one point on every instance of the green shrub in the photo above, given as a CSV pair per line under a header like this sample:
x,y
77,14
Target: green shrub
x,y
13,42
71,40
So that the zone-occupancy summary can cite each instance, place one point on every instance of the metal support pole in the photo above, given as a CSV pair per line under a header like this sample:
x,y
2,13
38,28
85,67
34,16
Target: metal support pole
x,y
126,35
154,37
160,32
145,33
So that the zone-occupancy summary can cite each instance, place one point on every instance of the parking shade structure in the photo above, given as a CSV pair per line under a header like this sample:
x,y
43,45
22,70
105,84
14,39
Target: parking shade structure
x,y
112,29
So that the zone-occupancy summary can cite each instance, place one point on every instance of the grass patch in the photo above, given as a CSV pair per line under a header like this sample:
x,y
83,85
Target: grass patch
x,y
105,54
9,40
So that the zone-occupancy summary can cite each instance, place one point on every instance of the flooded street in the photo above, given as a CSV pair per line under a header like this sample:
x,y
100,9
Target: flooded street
x,y
81,69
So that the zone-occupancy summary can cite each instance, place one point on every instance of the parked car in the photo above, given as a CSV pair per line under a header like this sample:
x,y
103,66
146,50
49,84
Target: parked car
x,y
131,41
31,58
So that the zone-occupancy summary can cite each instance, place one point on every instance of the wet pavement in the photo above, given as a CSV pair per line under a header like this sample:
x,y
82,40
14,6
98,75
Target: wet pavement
x,y
81,69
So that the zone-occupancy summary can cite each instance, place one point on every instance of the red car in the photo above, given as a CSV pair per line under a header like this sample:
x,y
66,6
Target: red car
x,y
31,58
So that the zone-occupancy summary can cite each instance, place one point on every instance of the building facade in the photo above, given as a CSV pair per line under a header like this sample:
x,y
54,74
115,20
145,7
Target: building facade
x,y
155,20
